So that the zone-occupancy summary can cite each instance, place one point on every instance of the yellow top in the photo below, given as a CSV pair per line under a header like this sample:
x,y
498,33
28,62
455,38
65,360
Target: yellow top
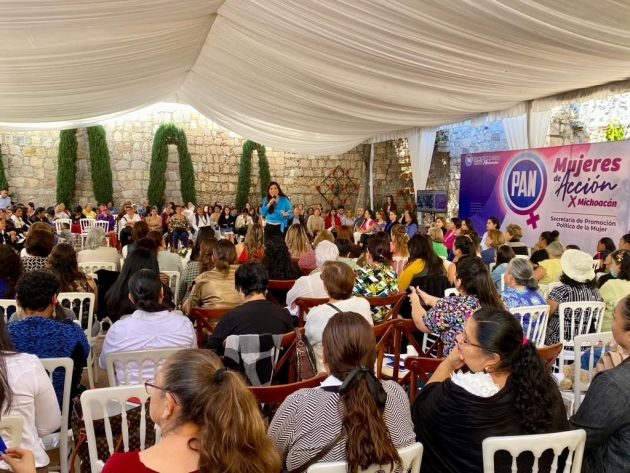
x,y
613,290
408,273
90,214
553,268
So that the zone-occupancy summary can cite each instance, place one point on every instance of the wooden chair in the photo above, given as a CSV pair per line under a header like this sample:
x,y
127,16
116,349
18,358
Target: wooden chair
x,y
394,300
384,334
279,286
420,367
550,354
287,345
202,317
307,303
306,270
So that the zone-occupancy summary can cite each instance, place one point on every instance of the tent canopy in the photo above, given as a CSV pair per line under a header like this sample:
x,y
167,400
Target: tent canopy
x,y
313,77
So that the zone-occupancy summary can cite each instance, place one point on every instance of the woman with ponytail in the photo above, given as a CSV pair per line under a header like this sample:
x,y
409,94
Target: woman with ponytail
x,y
448,314
508,391
352,416
463,246
210,422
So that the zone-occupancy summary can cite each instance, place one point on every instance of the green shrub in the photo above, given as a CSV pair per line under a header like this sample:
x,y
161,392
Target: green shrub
x,y
4,184
244,174
100,165
263,170
67,167
614,130
165,135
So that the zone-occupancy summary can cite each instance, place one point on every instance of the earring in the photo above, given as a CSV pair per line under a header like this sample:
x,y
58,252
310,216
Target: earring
x,y
485,370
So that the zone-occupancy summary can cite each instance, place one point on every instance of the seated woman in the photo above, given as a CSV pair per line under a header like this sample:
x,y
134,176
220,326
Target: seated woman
x,y
351,412
410,221
307,260
277,260
577,278
117,298
604,413
205,243
447,315
27,392
332,220
452,231
256,315
297,241
437,236
63,264
376,278
138,231
539,251
400,247
521,289
10,273
513,234
226,223
215,288
315,223
508,391
210,421
40,333
153,220
617,287
338,281
178,226
502,256
252,247
494,238
150,327
549,270
605,246
463,246
38,245
96,250
422,262
167,261
367,228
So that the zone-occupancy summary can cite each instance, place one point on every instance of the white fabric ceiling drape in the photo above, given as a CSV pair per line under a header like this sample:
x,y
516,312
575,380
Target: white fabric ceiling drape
x,y
421,145
515,129
313,77
539,123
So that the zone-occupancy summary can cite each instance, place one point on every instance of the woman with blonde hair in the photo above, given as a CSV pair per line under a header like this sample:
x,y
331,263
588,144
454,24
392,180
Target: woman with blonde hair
x,y
252,247
205,263
494,239
437,237
297,241
399,247
307,260
210,422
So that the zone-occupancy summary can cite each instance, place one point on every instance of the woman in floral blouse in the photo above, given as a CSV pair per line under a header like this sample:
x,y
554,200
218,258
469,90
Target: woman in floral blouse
x,y
377,278
178,225
447,315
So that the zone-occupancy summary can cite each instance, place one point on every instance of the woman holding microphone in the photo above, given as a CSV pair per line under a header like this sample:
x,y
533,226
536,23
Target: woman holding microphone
x,y
276,209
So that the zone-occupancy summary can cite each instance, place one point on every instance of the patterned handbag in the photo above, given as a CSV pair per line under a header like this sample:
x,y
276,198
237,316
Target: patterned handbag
x,y
81,445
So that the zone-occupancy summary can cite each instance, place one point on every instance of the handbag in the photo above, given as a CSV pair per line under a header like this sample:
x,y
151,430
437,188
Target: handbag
x,y
322,453
612,358
81,446
305,364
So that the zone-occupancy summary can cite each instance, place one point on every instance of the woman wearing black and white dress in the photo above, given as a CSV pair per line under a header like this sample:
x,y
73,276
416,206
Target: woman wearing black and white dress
x,y
351,399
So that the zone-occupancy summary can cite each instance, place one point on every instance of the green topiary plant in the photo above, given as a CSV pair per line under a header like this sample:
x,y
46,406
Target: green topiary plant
x,y
263,170
4,184
165,135
614,130
244,174
67,166
100,165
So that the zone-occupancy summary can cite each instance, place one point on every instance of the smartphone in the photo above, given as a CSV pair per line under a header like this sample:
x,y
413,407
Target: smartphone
x,y
3,446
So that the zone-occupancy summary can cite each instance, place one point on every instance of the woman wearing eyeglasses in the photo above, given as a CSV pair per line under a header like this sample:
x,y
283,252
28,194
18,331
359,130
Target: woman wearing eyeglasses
x,y
210,422
508,391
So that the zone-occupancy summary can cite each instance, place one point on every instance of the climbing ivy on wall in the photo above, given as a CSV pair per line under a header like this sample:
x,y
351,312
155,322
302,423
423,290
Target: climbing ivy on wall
x,y
100,165
67,166
4,184
245,170
165,135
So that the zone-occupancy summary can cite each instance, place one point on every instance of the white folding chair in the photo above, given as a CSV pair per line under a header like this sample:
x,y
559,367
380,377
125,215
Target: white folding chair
x,y
596,263
59,222
173,278
451,292
86,225
91,267
84,298
522,257
11,428
581,344
5,305
491,266
583,316
574,440
543,290
143,364
104,225
97,400
61,437
411,457
429,339
553,285
538,313
503,282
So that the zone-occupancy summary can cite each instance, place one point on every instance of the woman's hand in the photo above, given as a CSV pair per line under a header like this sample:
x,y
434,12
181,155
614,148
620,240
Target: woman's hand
x,y
426,298
455,359
20,460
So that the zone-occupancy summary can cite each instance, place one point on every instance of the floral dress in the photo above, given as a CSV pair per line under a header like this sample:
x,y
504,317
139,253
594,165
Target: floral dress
x,y
448,315
376,280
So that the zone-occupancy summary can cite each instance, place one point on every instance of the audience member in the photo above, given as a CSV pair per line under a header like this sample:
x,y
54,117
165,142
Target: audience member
x,y
297,241
252,247
462,246
493,223
204,244
605,246
332,220
39,243
410,222
604,413
508,391
364,420
277,260
549,270
452,231
315,223
178,226
467,225
367,228
168,261
513,234
346,247
210,422
97,251
436,235
545,239
11,270
307,260
624,242
576,276
40,333
502,256
521,288
338,281
256,315
423,261
617,287
447,315
150,327
138,231
493,238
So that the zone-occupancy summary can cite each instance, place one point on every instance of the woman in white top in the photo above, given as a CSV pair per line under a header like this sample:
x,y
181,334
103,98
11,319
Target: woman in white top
x,y
338,282
148,328
168,261
199,220
28,393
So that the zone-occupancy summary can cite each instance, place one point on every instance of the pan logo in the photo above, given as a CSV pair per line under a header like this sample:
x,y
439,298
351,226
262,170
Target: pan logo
x,y
524,184
469,160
